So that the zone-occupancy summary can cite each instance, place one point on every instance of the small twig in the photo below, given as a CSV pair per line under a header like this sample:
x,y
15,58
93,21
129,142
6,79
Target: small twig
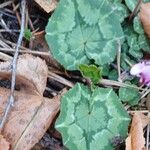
x,y
9,11
116,83
5,4
60,79
38,33
27,16
135,111
28,51
128,62
118,61
9,30
17,14
36,30
3,24
31,24
14,66
28,20
145,88
146,93
53,92
4,45
135,10
15,7
7,14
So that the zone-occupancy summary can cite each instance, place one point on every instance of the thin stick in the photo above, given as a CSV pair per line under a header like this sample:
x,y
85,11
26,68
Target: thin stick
x,y
8,11
4,24
5,4
9,30
128,62
146,93
135,10
38,33
7,14
4,45
118,61
26,51
17,14
15,7
31,24
116,83
14,65
27,16
60,79
54,93
141,111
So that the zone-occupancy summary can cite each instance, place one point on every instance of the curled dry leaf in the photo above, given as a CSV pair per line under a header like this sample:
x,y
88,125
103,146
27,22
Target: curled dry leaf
x,y
4,145
32,113
136,140
145,17
47,5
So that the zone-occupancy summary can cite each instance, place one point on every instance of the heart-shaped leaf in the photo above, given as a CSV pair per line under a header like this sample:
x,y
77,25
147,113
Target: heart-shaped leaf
x,y
80,30
89,120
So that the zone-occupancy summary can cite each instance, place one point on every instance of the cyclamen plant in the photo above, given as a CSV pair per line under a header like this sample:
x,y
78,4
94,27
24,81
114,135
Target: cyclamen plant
x,y
80,34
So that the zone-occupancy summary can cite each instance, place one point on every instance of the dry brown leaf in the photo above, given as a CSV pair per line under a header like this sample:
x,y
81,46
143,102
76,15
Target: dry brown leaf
x,y
47,5
4,145
136,140
145,17
31,73
46,113
32,114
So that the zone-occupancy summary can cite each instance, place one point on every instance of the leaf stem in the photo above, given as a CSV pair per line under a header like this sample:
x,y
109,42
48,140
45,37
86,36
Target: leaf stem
x,y
119,84
118,60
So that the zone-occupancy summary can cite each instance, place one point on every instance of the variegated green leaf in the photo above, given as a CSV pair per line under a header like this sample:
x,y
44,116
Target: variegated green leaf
x,y
133,42
137,25
129,95
131,4
144,43
90,120
80,30
121,10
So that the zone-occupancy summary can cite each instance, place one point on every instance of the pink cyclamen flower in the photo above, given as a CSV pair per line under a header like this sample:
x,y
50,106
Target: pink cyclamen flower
x,y
142,70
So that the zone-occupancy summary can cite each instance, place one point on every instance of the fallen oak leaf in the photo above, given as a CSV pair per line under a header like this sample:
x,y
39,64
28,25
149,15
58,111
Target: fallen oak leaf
x,y
4,145
32,113
40,123
32,73
145,17
29,119
136,140
25,107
